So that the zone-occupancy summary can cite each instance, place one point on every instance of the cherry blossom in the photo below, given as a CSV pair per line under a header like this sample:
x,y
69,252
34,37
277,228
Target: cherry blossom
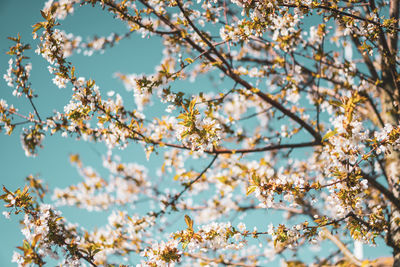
x,y
296,125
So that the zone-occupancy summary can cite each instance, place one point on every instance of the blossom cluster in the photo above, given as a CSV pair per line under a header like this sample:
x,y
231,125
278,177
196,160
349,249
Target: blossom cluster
x,y
196,132
126,184
214,236
295,121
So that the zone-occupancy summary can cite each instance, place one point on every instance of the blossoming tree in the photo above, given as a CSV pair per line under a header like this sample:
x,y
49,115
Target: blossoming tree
x,y
304,119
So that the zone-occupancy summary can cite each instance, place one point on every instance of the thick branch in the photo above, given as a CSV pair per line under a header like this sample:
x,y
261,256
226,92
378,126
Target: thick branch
x,y
311,211
219,260
245,150
366,58
346,252
389,195
394,14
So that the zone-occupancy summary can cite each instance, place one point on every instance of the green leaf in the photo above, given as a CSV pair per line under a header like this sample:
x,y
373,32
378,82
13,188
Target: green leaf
x,y
181,116
184,244
189,222
6,190
37,27
189,60
44,15
36,239
256,179
251,189
329,134
97,250
335,103
192,104
222,179
26,245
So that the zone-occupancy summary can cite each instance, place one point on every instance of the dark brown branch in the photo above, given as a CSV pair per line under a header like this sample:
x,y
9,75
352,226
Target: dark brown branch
x,y
340,12
187,186
257,60
219,260
394,8
195,180
34,108
245,150
212,47
361,221
279,106
374,108
253,115
197,57
263,149
113,6
388,60
365,57
311,211
309,72
239,80
389,195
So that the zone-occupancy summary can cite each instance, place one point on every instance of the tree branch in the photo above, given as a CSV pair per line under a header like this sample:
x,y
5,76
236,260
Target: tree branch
x,y
187,186
394,7
389,195
340,12
311,211
212,47
239,80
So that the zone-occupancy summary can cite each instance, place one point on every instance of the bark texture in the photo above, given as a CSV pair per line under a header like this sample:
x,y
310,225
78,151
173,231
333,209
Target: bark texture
x,y
392,169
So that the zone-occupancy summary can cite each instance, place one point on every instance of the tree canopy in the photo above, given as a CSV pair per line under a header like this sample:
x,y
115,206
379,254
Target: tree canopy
x,y
300,116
